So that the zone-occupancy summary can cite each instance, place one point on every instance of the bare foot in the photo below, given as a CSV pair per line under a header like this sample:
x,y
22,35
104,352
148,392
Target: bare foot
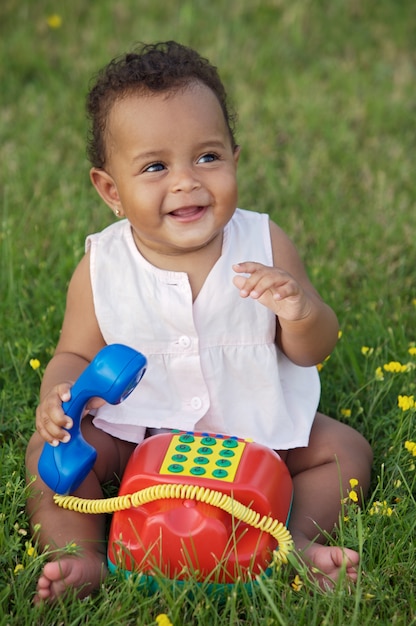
x,y
327,562
71,573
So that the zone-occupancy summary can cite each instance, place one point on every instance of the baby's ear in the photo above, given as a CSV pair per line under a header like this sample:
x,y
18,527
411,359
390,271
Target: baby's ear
x,y
237,152
107,189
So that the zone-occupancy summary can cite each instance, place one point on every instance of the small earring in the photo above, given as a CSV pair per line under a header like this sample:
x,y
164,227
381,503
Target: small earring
x,y
117,212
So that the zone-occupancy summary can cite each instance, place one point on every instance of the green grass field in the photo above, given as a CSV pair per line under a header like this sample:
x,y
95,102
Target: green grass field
x,y
325,92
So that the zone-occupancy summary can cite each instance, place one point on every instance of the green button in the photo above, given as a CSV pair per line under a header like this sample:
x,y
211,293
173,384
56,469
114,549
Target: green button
x,y
219,473
182,447
223,463
227,453
186,438
198,470
208,441
204,450
201,460
230,443
175,468
179,458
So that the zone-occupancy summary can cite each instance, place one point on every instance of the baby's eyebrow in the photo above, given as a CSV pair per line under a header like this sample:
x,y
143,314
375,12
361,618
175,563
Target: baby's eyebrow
x,y
147,156
210,143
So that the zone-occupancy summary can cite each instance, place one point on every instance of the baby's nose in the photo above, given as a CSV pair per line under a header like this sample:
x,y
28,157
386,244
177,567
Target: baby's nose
x,y
185,180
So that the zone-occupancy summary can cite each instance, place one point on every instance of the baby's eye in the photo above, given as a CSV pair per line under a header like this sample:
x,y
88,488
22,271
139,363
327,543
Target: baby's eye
x,y
154,167
208,158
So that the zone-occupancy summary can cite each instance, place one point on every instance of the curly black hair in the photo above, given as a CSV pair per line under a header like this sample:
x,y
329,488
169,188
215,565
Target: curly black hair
x,y
159,67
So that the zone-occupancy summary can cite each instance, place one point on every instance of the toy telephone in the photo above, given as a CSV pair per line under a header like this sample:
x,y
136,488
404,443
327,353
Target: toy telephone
x,y
206,506
200,506
112,375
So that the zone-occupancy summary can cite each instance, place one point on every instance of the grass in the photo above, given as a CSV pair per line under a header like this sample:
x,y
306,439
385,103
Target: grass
x,y
326,103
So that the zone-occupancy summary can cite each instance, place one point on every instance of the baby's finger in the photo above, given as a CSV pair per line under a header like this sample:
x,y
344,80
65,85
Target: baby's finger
x,y
240,282
262,280
252,273
94,403
247,267
64,391
276,283
51,421
286,290
50,431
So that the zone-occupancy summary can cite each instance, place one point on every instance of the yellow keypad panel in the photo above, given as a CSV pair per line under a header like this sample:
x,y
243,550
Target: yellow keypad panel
x,y
203,456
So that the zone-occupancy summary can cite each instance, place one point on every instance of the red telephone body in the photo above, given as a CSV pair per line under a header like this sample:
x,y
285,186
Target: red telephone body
x,y
184,538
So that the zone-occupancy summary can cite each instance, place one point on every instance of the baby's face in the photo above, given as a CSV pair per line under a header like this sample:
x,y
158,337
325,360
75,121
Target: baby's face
x,y
171,169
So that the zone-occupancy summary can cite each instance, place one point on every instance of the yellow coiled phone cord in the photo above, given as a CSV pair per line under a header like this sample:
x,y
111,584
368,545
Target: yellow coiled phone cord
x,y
187,492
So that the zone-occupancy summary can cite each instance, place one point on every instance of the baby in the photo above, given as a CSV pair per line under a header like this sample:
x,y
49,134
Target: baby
x,y
217,299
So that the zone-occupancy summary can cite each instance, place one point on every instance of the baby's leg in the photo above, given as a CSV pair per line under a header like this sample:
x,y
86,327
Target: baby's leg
x,y
321,473
84,569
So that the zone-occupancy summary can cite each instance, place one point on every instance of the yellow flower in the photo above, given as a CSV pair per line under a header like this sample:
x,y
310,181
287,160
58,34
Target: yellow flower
x,y
412,350
395,367
339,334
163,620
30,550
319,366
297,584
72,548
34,364
54,21
19,567
379,374
353,496
410,447
381,508
346,412
405,403
366,351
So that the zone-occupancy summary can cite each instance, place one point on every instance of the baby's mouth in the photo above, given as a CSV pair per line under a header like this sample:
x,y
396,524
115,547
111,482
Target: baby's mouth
x,y
188,213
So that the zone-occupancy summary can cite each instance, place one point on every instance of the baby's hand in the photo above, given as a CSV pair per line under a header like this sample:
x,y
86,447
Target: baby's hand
x,y
51,421
274,288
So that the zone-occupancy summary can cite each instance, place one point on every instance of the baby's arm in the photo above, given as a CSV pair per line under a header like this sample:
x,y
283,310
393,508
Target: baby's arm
x,y
79,342
307,327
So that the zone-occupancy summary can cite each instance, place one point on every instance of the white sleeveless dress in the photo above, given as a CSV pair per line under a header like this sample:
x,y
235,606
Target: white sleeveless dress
x,y
213,364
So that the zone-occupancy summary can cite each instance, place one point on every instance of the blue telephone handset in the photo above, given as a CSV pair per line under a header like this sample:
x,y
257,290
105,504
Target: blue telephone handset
x,y
112,375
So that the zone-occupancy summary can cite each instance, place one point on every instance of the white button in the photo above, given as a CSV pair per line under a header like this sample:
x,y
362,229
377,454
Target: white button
x,y
196,403
184,341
